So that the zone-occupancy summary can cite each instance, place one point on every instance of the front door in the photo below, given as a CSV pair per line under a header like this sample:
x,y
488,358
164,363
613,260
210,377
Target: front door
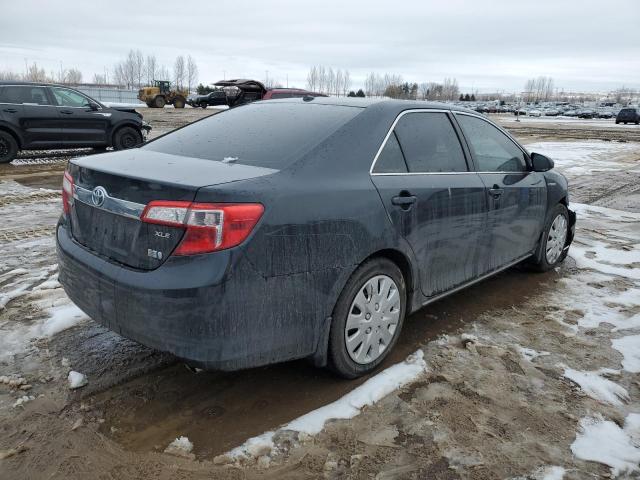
x,y
516,195
433,198
81,124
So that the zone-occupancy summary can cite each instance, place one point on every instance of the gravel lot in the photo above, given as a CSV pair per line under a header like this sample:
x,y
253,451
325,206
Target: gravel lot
x,y
525,376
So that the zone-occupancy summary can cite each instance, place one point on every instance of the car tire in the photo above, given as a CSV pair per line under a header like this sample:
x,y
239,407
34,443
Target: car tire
x,y
372,275
203,105
126,137
551,252
8,147
159,102
617,122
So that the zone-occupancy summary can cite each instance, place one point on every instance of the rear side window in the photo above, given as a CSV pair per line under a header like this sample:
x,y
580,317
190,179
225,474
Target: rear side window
x,y
24,94
391,159
269,134
430,143
491,149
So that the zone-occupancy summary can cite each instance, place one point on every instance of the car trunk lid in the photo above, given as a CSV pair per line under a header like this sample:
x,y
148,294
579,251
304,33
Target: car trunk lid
x,y
111,191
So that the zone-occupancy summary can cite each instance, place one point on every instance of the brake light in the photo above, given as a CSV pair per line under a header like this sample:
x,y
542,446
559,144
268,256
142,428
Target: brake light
x,y
67,192
209,226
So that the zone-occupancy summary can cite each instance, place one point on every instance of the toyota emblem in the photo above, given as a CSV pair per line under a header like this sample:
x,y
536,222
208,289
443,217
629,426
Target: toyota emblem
x,y
98,195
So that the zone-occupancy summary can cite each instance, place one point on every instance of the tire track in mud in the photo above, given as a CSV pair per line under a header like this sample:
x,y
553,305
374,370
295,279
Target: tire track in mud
x,y
11,235
36,196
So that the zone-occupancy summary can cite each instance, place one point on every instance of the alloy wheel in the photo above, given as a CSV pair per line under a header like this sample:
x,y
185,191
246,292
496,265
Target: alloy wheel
x,y
373,319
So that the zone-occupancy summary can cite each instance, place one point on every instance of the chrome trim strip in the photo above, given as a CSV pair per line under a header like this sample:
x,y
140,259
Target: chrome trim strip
x,y
479,279
111,204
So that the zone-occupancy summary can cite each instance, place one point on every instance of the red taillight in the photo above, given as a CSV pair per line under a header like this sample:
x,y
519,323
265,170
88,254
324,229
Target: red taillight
x,y
209,226
67,192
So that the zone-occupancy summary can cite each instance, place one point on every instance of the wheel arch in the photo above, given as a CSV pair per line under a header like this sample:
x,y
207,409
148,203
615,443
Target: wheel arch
x,y
16,136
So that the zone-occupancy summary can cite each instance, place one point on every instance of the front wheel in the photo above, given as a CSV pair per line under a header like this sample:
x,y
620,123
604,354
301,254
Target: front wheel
x,y
551,251
127,137
159,102
203,106
8,147
178,103
367,318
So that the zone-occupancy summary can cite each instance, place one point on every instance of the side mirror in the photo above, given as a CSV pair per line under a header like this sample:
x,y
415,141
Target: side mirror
x,y
541,163
93,106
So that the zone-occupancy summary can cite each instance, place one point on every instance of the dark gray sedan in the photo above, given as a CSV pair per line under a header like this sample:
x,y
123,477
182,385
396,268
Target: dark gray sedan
x,y
303,228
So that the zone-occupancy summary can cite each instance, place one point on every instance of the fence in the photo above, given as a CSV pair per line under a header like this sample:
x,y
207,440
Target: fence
x,y
114,95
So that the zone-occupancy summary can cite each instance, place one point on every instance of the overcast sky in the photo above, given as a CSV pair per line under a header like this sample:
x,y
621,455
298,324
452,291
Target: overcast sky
x,y
495,45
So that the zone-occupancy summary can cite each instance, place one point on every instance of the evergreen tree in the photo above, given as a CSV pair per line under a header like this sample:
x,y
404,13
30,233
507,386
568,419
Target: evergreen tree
x,y
352,93
360,93
473,97
467,98
462,97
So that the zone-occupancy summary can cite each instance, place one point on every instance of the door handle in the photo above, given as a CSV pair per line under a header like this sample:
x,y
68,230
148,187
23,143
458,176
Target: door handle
x,y
496,191
66,112
404,200
10,110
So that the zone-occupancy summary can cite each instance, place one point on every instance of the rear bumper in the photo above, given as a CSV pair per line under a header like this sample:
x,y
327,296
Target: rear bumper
x,y
197,308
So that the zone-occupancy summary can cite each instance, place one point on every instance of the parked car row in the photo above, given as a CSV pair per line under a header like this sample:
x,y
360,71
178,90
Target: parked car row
x,y
38,116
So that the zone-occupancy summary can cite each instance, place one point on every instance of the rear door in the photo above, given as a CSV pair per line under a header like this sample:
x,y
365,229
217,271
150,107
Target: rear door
x,y
432,197
81,125
516,195
11,109
32,109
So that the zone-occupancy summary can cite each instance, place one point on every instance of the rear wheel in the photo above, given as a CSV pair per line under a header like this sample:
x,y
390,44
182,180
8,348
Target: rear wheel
x,y
8,147
203,105
126,137
367,318
159,102
178,103
551,250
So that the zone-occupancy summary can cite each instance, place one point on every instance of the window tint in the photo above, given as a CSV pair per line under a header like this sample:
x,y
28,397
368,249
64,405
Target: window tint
x,y
68,98
24,94
268,134
492,150
391,159
430,143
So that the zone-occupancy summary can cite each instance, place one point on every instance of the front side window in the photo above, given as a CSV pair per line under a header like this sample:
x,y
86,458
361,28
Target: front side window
x,y
22,94
68,98
430,143
492,150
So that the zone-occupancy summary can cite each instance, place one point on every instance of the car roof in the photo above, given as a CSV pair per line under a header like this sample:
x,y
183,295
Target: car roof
x,y
383,104
36,84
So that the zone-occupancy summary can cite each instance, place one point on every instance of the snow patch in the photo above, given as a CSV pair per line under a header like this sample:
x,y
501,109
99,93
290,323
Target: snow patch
x,y
530,354
629,347
605,442
598,387
346,407
181,447
76,380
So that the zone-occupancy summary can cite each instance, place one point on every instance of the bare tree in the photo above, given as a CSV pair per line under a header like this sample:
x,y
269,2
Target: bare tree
x,y
73,76
424,90
346,82
179,72
35,74
151,69
192,72
99,79
312,79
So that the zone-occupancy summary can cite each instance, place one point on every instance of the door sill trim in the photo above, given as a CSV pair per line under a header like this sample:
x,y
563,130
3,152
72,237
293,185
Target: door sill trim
x,y
475,280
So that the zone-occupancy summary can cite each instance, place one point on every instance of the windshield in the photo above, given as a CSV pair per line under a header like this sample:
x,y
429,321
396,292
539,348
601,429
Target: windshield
x,y
269,134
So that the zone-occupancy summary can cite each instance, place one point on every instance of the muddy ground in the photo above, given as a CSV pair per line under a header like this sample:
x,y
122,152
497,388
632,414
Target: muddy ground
x,y
481,410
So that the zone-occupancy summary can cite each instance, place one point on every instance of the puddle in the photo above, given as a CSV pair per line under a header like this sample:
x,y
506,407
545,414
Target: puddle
x,y
219,411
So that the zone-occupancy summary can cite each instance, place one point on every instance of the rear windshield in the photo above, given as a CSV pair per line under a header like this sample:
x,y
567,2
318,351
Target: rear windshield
x,y
270,135
628,110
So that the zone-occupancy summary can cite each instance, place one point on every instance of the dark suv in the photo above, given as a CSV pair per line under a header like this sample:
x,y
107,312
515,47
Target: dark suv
x,y
37,116
629,115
